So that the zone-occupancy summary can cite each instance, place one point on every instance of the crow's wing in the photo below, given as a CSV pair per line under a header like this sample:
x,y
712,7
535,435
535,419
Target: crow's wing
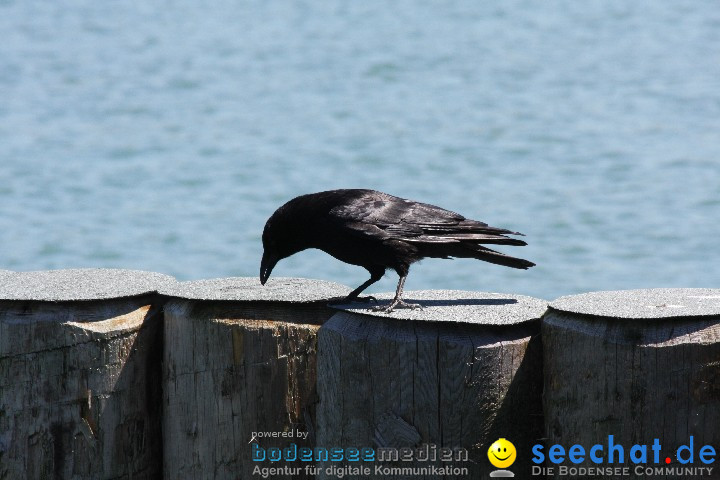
x,y
384,216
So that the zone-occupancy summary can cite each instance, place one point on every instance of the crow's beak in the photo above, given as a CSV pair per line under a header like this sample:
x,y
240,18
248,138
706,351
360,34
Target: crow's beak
x,y
266,266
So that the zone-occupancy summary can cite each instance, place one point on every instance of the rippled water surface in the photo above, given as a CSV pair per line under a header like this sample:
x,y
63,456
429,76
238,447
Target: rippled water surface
x,y
160,136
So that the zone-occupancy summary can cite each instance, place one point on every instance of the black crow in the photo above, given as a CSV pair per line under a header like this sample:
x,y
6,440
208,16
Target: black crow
x,y
378,231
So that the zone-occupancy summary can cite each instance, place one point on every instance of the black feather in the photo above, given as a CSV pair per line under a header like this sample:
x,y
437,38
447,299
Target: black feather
x,y
378,231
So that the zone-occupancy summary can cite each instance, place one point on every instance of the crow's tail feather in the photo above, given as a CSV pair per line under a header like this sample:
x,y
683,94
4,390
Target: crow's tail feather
x,y
471,250
488,255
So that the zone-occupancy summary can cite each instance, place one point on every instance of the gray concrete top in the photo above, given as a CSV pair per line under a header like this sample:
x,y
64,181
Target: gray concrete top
x,y
458,306
80,284
643,304
248,289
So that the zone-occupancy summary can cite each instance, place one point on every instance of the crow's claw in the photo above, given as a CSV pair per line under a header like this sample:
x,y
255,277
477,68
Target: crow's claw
x,y
396,304
367,299
346,300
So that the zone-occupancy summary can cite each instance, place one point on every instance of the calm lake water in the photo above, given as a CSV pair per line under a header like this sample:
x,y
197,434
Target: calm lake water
x,y
160,136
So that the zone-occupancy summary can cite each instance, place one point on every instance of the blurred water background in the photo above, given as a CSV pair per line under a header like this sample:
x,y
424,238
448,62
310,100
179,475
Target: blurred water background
x,y
161,135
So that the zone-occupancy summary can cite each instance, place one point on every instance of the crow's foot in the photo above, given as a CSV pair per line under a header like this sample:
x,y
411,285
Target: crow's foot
x,y
346,300
367,299
397,303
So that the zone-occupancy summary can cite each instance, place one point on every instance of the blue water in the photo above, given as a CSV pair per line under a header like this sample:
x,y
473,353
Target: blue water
x,y
161,135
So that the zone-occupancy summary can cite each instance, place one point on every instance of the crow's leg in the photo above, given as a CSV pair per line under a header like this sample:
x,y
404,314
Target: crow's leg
x,y
397,301
375,275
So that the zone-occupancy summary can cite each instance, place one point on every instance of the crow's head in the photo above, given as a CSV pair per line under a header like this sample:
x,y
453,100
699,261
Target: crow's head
x,y
280,240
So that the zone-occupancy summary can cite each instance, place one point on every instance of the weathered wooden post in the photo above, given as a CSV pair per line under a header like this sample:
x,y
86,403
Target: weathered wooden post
x,y
459,374
637,365
239,373
80,374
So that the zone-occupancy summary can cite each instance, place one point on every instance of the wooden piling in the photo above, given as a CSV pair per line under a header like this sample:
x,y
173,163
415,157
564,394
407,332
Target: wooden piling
x,y
80,374
638,365
239,366
458,374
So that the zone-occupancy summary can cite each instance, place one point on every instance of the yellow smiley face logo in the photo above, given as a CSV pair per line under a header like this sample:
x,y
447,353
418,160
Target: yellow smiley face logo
x,y
502,453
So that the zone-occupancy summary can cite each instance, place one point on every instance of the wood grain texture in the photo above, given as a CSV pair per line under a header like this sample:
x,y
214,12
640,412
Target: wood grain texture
x,y
397,383
231,369
79,389
634,379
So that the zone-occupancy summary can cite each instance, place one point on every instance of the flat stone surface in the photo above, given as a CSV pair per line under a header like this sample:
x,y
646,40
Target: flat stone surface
x,y
458,306
80,284
643,304
248,289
